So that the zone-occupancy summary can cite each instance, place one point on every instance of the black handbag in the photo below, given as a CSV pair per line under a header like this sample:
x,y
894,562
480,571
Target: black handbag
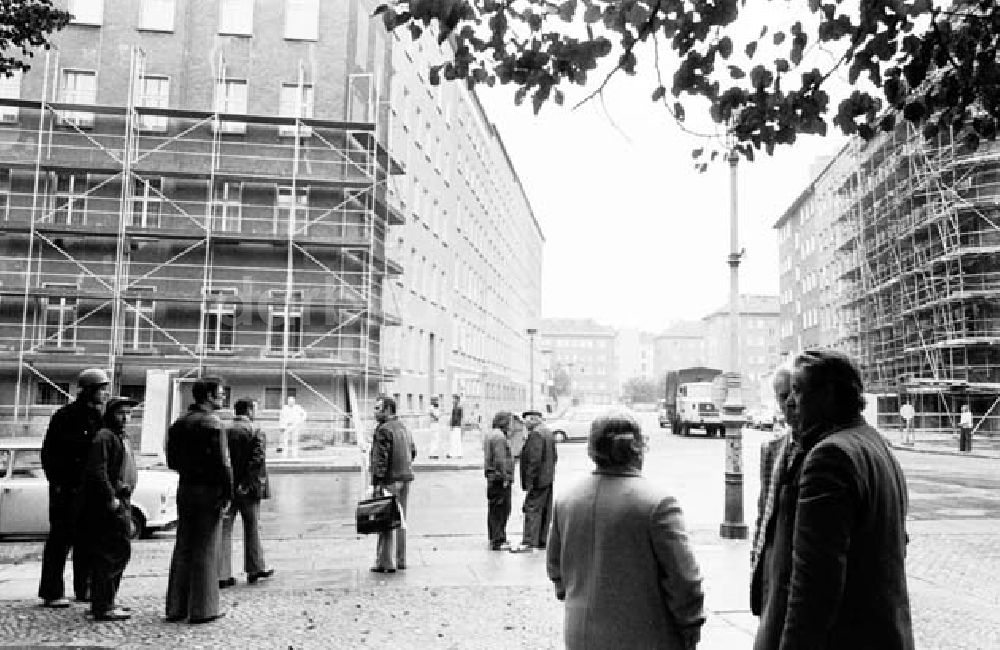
x,y
379,514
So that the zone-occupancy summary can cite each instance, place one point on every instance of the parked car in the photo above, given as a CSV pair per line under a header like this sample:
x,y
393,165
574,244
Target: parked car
x,y
763,418
574,424
24,494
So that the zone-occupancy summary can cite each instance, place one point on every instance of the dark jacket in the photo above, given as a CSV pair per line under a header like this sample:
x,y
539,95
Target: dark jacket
x,y
247,457
456,415
773,465
392,453
847,586
67,443
498,461
198,452
538,459
107,475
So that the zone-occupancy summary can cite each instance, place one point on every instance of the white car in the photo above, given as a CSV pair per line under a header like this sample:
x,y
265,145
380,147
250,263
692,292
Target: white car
x,y
574,423
24,494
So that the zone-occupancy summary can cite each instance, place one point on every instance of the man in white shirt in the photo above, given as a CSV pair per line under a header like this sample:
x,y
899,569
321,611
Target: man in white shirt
x,y
965,429
906,413
290,422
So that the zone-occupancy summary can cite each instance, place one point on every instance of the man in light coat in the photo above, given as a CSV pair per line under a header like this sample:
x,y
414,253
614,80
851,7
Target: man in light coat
x,y
618,552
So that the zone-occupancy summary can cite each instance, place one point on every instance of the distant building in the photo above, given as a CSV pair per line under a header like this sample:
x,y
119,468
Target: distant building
x,y
586,350
682,345
759,319
634,350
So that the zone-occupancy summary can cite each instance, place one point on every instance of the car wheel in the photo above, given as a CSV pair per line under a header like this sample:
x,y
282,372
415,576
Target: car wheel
x,y
559,436
138,527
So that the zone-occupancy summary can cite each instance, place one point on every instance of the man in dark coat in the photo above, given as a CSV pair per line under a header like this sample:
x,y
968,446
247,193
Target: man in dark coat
x,y
109,481
392,455
198,452
64,453
538,469
840,522
498,466
246,455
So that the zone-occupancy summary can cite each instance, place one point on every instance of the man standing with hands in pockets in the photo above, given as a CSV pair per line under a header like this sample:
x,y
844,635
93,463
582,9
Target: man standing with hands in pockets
x,y
538,469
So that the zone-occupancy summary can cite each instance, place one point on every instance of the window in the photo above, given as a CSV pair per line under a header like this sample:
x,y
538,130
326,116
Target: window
x,y
137,333
147,200
276,328
220,316
68,200
157,15
231,97
10,88
28,463
60,321
272,397
285,206
79,87
133,391
302,19
226,203
87,12
4,194
236,17
296,100
155,94
52,394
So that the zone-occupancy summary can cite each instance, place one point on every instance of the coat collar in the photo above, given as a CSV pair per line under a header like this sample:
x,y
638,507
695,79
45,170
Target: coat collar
x,y
820,432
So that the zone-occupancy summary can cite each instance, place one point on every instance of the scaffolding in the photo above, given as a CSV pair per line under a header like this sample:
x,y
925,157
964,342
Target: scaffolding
x,y
917,233
201,242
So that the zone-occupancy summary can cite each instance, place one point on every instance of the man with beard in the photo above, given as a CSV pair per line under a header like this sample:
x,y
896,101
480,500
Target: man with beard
x,y
109,481
840,522
64,453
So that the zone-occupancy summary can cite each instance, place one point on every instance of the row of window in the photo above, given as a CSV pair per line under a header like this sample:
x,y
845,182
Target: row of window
x,y
57,393
235,16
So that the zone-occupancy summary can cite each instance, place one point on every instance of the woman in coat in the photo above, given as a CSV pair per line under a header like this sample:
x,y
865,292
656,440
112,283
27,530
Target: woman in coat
x,y
618,553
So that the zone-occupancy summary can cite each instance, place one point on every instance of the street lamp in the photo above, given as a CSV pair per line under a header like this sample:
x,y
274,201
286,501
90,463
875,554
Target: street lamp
x,y
732,411
531,364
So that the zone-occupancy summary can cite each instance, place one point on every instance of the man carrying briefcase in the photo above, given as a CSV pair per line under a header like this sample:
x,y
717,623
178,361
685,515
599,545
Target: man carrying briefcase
x,y
392,455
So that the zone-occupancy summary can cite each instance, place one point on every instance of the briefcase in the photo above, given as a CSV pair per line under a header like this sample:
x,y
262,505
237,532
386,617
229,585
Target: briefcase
x,y
379,514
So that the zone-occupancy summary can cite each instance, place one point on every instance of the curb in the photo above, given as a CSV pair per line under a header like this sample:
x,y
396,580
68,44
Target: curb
x,y
333,467
942,452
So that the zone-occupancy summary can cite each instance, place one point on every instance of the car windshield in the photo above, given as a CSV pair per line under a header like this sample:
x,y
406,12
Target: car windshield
x,y
28,464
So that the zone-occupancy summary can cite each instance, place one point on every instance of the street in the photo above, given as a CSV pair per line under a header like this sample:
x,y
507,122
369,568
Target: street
x,y
458,594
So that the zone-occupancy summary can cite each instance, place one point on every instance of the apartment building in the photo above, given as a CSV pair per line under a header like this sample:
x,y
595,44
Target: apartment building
x,y
635,353
759,322
197,188
681,345
915,239
471,248
586,351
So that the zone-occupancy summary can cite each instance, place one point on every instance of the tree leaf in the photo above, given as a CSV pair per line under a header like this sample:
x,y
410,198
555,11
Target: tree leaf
x,y
736,72
779,38
659,93
750,49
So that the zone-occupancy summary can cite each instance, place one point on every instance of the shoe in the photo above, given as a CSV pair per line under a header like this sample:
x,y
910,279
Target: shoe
x,y
541,547
112,615
56,603
207,619
433,457
378,569
82,599
260,575
228,582
524,548
175,619
504,546
400,566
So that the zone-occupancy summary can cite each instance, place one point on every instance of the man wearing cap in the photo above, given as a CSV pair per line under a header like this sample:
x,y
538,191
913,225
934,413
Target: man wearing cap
x,y
64,453
538,468
109,480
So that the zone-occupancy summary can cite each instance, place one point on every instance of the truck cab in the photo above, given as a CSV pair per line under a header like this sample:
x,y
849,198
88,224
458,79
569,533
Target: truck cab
x,y
696,410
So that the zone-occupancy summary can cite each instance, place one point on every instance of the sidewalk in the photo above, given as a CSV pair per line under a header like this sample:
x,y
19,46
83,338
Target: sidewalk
x,y
454,594
348,458
942,443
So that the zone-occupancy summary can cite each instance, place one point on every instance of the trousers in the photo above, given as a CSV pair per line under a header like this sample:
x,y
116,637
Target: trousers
x,y
193,585
390,551
110,550
253,552
498,511
537,516
64,534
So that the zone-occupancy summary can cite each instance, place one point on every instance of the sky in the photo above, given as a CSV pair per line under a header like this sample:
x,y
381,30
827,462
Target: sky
x,y
635,237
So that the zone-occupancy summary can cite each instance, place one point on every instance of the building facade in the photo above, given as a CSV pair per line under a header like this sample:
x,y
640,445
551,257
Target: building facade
x,y
584,350
682,345
917,283
471,249
198,189
635,353
759,322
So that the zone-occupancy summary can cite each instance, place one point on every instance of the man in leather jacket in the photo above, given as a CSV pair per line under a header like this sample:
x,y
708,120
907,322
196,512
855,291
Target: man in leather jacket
x,y
197,450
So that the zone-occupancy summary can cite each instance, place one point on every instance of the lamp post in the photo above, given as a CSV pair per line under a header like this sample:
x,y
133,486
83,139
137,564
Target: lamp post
x,y
732,411
531,365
